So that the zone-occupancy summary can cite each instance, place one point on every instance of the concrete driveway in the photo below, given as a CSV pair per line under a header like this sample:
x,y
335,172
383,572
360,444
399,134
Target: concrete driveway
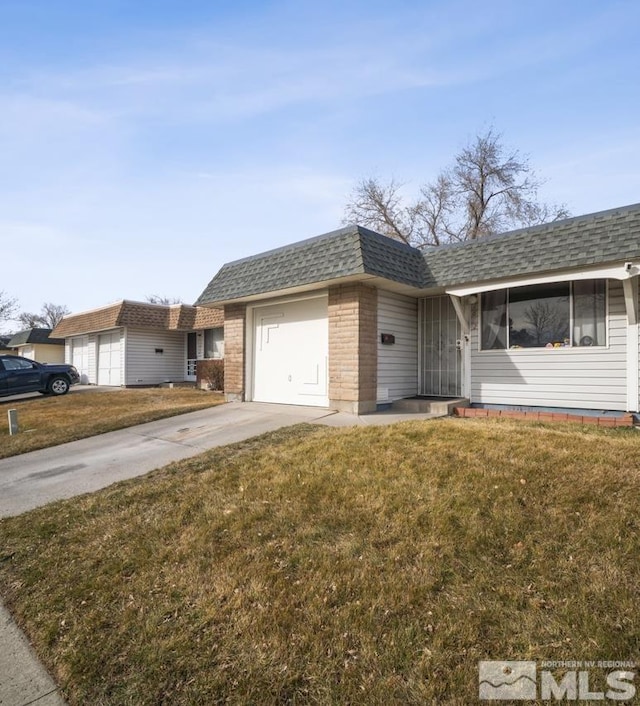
x,y
39,477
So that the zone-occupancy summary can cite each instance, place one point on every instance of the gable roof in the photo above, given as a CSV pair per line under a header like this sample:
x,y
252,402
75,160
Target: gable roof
x,y
353,250
32,336
4,342
174,317
593,239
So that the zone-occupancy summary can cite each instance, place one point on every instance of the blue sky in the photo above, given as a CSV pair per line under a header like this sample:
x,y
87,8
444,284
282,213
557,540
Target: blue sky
x,y
143,144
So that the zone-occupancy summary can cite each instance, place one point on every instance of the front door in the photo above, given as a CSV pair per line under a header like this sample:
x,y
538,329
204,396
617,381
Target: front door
x,y
192,356
440,372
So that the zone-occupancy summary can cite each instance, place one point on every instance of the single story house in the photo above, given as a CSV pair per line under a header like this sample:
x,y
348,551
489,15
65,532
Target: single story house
x,y
544,316
38,344
133,343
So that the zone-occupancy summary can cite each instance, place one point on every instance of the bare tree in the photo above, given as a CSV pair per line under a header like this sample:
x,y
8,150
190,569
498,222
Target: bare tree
x,y
49,317
488,189
8,307
380,205
157,299
546,322
28,319
52,314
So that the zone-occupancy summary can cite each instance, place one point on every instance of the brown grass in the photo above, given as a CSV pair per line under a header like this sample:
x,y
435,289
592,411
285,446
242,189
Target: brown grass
x,y
361,566
46,421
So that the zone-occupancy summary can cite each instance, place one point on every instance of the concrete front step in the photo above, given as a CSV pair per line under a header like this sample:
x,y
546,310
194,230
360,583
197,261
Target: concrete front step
x,y
429,405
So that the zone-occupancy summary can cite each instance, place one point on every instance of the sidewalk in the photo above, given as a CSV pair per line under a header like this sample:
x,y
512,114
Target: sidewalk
x,y
84,466
23,679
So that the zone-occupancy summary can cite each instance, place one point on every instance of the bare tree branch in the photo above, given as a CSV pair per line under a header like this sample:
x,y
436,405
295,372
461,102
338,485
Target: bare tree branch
x,y
52,314
158,299
49,317
27,319
379,206
487,190
8,307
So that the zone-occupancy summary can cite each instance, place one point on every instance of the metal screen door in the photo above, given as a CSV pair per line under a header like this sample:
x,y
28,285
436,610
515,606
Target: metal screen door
x,y
440,359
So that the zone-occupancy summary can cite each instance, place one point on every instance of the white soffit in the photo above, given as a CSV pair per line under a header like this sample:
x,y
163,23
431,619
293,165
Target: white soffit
x,y
623,271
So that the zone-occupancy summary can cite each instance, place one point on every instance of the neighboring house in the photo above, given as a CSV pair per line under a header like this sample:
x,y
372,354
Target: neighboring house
x,y
133,343
38,344
544,316
4,343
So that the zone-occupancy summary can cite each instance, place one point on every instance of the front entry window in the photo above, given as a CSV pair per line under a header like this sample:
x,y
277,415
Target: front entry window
x,y
557,315
214,342
539,316
589,313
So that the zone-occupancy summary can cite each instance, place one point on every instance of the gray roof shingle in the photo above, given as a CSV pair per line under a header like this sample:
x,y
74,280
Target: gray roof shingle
x,y
34,335
342,253
593,239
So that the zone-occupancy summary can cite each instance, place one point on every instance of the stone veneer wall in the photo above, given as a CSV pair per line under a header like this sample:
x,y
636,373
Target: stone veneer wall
x,y
234,351
353,355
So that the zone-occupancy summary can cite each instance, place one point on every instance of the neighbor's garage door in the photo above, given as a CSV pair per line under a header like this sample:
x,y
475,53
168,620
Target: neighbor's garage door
x,y
80,357
291,346
109,363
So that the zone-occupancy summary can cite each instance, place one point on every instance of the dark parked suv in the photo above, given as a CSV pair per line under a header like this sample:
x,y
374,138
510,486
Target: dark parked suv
x,y
19,375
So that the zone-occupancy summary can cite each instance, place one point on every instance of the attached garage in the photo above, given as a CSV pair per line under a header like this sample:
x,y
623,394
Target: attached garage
x,y
109,359
290,352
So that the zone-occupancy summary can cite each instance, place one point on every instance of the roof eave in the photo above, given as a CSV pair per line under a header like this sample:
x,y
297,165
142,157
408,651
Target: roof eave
x,y
287,291
619,270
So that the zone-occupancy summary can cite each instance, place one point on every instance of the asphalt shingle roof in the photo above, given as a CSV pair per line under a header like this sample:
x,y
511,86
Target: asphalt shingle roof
x,y
174,317
342,253
594,239
34,335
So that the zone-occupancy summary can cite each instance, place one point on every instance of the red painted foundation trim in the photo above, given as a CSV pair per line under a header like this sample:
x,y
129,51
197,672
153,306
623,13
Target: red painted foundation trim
x,y
625,420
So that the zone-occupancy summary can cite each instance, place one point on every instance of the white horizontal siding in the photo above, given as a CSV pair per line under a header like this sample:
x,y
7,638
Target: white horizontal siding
x,y
397,363
590,378
143,366
93,359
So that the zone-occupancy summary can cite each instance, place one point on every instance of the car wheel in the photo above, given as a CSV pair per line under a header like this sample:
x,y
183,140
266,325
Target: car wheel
x,y
59,386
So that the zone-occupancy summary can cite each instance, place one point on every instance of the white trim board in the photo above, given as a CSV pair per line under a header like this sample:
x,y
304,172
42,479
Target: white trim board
x,y
620,272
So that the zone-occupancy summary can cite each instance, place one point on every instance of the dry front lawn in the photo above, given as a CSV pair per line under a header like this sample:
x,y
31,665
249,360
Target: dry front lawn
x,y
47,421
331,566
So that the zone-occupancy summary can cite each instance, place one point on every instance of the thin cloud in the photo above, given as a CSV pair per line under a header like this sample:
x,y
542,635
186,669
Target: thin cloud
x,y
236,83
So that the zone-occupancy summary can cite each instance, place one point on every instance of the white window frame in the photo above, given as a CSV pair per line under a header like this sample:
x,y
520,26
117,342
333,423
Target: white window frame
x,y
529,349
220,356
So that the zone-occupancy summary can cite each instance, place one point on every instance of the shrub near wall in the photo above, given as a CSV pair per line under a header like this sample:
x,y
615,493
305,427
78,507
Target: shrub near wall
x,y
210,374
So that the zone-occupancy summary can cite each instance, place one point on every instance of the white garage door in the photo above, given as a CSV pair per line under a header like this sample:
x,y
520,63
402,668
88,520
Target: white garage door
x,y
109,365
80,357
291,346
